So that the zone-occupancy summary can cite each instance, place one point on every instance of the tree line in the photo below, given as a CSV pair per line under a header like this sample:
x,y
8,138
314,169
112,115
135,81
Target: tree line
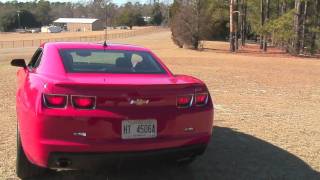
x,y
293,25
14,14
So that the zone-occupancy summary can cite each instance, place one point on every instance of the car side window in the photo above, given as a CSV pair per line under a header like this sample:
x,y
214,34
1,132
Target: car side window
x,y
35,60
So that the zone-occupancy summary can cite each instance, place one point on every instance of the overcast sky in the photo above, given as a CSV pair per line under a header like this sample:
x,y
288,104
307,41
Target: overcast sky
x,y
119,2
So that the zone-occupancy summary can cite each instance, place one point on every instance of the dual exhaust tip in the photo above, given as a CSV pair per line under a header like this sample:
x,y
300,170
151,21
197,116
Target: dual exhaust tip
x,y
63,163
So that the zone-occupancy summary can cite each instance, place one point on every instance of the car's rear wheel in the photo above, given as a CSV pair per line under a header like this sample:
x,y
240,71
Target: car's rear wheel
x,y
24,168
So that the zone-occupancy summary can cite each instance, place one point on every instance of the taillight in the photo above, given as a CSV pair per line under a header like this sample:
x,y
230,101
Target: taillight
x,y
201,99
55,100
184,101
83,102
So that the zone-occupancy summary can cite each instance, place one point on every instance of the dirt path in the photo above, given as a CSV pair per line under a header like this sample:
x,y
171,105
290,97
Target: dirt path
x,y
267,115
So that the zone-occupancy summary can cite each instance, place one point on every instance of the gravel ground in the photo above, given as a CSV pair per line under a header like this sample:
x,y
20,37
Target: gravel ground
x,y
266,124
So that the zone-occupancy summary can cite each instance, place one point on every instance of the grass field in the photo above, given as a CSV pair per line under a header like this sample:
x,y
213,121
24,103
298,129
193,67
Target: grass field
x,y
22,40
33,36
266,123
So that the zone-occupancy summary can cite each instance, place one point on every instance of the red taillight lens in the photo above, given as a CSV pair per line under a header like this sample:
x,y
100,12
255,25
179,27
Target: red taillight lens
x,y
184,101
55,100
201,99
83,102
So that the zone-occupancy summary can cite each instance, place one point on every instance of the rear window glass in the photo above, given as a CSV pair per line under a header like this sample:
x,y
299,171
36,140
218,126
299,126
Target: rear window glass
x,y
106,61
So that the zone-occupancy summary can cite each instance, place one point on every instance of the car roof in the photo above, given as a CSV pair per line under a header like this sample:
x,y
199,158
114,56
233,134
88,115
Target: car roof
x,y
86,45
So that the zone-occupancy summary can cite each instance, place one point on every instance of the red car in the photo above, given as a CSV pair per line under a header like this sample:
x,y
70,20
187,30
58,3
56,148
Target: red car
x,y
82,104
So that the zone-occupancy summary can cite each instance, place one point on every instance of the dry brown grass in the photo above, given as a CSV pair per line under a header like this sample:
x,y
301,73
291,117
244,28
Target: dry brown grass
x,y
18,40
33,36
266,123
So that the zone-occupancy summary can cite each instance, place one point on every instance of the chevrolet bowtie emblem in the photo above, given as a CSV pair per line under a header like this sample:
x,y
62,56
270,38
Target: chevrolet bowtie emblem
x,y
139,102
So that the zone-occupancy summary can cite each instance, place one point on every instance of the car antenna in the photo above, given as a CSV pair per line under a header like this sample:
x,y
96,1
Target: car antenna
x,y
105,43
106,29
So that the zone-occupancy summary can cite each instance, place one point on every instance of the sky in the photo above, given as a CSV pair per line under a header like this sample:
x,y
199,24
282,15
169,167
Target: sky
x,y
119,2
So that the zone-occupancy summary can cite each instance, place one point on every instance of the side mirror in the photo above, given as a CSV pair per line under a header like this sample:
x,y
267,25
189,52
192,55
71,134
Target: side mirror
x,y
18,63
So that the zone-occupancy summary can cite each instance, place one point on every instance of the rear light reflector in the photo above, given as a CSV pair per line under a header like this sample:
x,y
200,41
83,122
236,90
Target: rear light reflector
x,y
83,102
184,101
55,100
201,99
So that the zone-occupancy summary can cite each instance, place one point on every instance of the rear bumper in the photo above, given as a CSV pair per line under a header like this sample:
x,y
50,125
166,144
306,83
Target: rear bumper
x,y
49,134
52,131
76,160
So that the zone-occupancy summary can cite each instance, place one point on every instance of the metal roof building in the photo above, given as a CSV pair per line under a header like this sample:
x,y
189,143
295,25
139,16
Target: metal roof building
x,y
79,24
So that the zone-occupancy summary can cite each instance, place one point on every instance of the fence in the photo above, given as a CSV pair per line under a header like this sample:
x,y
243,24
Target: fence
x,y
89,38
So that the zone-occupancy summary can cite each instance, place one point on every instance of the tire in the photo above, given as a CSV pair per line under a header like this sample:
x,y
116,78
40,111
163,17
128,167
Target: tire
x,y
25,169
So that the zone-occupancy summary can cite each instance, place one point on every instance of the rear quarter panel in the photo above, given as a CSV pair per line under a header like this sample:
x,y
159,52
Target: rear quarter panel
x,y
28,104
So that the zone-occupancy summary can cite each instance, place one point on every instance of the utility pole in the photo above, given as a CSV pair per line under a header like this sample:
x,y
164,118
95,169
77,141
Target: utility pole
x,y
232,27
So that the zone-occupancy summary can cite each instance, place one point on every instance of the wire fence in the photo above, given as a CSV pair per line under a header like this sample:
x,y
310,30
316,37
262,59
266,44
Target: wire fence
x,y
89,38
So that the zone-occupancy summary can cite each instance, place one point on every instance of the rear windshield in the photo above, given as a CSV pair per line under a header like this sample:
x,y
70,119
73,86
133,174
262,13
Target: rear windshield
x,y
106,61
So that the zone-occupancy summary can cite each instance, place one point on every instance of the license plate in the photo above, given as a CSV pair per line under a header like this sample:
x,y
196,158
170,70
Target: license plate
x,y
139,129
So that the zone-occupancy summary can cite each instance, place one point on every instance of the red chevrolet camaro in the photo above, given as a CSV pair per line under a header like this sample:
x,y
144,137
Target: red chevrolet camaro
x,y
86,104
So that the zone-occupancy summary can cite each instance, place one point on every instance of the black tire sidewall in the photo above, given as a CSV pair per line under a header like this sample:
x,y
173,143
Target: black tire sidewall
x,y
24,168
